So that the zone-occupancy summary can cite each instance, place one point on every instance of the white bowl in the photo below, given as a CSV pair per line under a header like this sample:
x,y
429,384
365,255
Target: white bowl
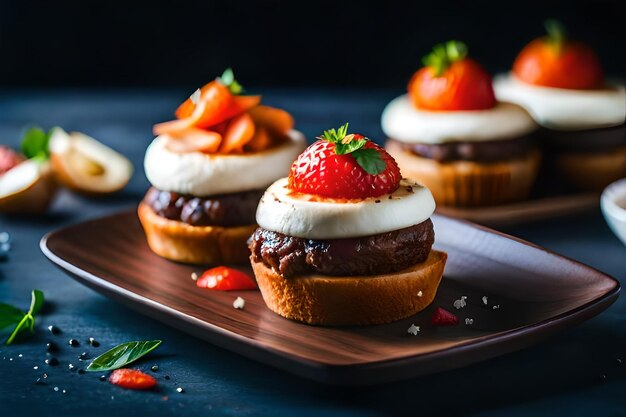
x,y
613,203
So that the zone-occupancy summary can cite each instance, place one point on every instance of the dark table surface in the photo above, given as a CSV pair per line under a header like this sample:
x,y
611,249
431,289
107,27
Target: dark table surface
x,y
577,372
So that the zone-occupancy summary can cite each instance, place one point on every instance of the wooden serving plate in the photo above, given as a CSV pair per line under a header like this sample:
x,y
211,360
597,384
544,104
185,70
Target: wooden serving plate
x,y
538,293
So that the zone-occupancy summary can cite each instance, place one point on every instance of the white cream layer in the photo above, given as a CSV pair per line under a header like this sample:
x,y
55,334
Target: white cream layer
x,y
202,174
565,109
312,217
402,121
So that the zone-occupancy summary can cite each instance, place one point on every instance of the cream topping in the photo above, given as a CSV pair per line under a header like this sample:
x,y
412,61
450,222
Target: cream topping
x,y
202,174
312,217
402,121
565,109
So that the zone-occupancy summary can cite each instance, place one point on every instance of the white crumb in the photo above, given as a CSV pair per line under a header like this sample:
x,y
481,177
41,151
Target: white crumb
x,y
239,303
194,276
414,330
497,306
485,300
460,303
419,294
469,321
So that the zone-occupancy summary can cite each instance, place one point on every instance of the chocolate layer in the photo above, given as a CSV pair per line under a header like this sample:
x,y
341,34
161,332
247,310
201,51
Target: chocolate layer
x,y
485,151
226,210
370,255
589,140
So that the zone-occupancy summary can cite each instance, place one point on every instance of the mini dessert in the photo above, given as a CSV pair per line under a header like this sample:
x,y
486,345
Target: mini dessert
x,y
344,240
208,169
561,83
450,133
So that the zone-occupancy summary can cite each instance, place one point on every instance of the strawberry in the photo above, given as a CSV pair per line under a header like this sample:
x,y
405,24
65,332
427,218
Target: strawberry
x,y
451,81
222,278
342,165
132,379
555,61
443,317
9,159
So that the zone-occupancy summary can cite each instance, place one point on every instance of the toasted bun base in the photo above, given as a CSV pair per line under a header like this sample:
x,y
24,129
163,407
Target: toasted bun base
x,y
181,242
593,171
470,183
327,300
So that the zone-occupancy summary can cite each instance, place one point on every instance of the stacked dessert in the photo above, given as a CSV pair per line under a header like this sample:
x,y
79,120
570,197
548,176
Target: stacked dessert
x,y
452,134
344,240
208,169
561,83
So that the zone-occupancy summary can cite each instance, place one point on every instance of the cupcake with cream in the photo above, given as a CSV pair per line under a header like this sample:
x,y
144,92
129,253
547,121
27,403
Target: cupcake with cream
x,y
561,83
451,133
208,170
344,240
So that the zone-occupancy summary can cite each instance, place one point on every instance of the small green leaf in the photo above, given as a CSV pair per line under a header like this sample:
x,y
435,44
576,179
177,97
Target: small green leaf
x,y
228,79
35,143
444,54
556,34
9,315
24,323
36,302
122,355
335,136
370,161
349,147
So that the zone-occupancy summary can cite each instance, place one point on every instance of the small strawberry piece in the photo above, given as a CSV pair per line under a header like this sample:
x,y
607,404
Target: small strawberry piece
x,y
443,317
222,278
320,171
9,159
132,379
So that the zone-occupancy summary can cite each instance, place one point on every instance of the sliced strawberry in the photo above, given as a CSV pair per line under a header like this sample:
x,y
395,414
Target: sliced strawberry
x,y
9,159
239,132
443,317
320,171
260,141
194,140
222,278
273,119
132,379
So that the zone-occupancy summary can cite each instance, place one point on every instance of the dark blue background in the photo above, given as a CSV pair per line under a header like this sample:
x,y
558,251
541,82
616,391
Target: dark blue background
x,y
320,43
559,377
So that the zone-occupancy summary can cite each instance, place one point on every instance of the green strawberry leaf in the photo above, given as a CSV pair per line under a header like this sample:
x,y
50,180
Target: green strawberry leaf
x,y
370,161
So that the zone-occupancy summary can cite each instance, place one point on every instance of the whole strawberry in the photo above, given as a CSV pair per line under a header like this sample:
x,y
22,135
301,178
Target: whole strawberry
x,y
342,165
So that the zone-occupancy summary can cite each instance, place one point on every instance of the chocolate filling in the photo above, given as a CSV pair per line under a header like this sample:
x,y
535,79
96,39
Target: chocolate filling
x,y
370,255
484,151
226,210
589,140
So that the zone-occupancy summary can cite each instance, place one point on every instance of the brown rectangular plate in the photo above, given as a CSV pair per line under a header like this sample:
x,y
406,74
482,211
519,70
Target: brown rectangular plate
x,y
531,293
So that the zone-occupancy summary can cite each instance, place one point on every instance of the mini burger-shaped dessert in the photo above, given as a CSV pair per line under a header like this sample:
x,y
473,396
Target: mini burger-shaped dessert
x,y
344,240
208,170
561,83
451,134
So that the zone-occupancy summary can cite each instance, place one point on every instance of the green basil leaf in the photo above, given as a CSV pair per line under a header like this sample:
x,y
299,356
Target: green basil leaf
x,y
25,323
9,315
35,143
36,302
122,355
370,161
